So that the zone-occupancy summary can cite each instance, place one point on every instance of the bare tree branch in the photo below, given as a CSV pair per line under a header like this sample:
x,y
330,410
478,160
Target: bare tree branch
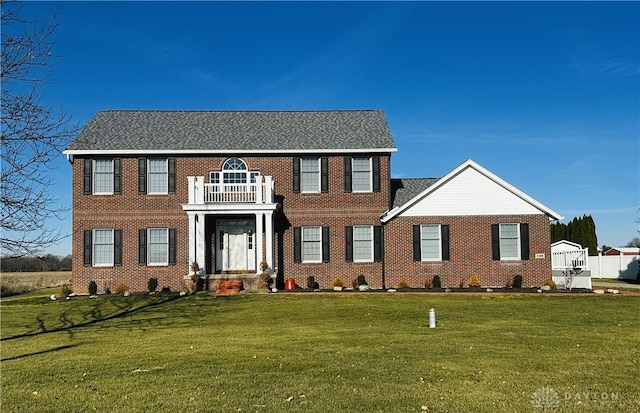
x,y
33,134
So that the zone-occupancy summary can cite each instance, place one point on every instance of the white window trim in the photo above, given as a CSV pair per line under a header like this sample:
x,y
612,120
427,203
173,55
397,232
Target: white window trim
x,y
439,258
93,177
518,242
93,248
370,227
157,264
362,191
308,261
318,172
149,173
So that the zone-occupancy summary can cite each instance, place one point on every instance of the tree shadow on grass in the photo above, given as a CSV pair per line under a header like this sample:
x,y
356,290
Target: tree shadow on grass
x,y
95,315
40,352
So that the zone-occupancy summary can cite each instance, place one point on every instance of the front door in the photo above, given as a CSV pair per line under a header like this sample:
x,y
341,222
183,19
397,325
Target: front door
x,y
235,246
237,251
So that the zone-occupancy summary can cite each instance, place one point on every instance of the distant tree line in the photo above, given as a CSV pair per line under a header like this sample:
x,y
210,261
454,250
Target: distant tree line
x,y
47,262
579,230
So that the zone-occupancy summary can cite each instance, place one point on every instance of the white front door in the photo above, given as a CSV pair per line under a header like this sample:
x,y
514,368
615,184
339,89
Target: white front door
x,y
237,251
235,246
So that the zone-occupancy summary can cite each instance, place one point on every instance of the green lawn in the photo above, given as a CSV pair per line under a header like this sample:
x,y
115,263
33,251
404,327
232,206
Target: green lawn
x,y
343,352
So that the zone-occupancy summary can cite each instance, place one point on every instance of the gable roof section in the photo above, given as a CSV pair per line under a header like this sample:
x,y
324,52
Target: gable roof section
x,y
469,189
123,132
405,189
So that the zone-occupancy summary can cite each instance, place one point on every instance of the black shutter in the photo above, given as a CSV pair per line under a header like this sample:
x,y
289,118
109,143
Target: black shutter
x,y
347,175
324,175
297,244
524,241
142,247
142,176
375,161
117,247
296,175
171,165
444,234
377,244
88,174
117,176
325,244
417,253
348,244
495,241
87,258
172,246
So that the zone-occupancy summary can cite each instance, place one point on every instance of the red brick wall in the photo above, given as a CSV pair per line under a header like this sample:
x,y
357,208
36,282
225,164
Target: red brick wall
x,y
470,252
130,212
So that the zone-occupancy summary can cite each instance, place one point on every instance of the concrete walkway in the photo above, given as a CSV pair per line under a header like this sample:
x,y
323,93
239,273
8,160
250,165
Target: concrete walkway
x,y
603,283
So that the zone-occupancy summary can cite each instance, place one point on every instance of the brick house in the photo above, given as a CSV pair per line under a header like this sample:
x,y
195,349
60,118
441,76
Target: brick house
x,y
307,192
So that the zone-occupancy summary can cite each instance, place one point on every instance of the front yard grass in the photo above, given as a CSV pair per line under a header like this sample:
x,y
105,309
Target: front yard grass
x,y
321,353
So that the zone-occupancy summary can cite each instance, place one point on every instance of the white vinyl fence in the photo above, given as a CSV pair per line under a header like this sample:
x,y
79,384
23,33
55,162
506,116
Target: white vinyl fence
x,y
614,266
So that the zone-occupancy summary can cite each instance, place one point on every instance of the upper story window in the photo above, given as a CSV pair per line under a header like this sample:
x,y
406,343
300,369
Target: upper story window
x,y
362,174
156,176
234,164
310,175
102,176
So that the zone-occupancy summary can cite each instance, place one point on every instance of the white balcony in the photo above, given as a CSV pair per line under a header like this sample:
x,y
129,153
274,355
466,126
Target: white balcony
x,y
258,192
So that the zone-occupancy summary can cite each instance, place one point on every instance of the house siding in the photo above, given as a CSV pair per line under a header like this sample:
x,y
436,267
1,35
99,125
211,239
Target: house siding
x,y
470,252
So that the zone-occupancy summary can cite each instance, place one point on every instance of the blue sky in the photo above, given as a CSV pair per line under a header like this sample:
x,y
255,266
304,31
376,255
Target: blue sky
x,y
544,94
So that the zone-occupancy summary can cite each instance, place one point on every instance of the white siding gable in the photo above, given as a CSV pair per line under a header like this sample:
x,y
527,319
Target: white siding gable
x,y
471,190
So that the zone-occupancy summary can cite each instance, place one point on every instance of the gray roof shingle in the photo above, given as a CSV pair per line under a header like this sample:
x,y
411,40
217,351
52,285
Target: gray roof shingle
x,y
404,190
218,131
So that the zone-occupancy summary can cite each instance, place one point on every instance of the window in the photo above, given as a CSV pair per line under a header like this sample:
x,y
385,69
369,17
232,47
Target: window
x,y
102,176
363,243
510,241
102,247
157,246
157,176
309,175
362,174
311,244
431,242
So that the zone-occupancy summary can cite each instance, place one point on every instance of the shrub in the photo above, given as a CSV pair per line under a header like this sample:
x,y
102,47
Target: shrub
x,y
428,282
121,288
93,288
265,280
337,282
474,281
361,280
517,281
402,284
66,290
152,284
311,283
549,282
462,282
437,283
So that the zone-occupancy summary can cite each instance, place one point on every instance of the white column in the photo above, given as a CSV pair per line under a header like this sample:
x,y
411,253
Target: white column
x,y
269,239
192,240
259,244
191,181
200,241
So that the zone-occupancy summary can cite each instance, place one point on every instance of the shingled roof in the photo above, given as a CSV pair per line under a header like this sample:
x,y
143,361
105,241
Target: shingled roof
x,y
234,131
405,189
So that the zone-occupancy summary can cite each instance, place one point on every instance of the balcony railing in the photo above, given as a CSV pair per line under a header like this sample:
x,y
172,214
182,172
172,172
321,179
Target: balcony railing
x,y
259,192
